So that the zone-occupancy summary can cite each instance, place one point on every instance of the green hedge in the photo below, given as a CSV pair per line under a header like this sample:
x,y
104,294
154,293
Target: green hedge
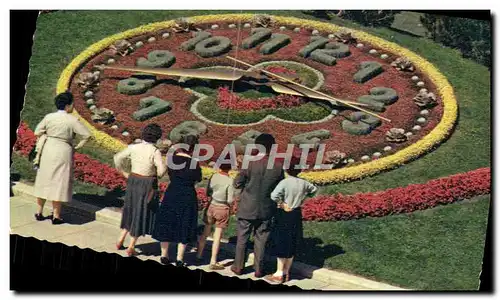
x,y
472,37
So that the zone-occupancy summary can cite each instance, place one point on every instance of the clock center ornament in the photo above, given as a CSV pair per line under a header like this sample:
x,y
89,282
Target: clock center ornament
x,y
226,78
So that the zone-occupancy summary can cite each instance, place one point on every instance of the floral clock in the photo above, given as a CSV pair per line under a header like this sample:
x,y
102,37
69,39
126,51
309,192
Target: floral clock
x,y
349,65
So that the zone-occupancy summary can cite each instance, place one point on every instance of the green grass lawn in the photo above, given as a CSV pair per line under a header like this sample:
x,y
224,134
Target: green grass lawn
x,y
73,31
440,248
435,249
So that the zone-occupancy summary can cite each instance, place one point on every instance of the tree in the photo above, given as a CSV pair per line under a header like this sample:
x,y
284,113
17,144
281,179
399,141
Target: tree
x,y
363,17
472,37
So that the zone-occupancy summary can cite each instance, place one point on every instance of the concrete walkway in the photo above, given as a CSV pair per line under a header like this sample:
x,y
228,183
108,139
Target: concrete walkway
x,y
100,234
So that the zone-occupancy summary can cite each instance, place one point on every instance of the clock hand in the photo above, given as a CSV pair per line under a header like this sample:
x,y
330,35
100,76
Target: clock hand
x,y
235,74
309,89
284,88
219,74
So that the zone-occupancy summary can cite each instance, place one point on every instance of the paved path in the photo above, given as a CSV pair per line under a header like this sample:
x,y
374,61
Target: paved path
x,y
101,237
100,231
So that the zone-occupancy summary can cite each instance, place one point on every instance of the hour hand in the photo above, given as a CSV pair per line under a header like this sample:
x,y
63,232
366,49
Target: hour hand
x,y
286,88
216,74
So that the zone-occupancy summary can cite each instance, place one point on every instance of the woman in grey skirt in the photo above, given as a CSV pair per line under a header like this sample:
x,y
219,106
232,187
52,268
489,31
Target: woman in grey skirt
x,y
142,186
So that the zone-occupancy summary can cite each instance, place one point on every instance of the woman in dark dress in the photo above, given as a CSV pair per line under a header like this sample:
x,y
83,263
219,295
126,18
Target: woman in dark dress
x,y
177,218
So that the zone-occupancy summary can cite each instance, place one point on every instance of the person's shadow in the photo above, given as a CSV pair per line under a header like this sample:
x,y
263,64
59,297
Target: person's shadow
x,y
113,198
153,249
311,251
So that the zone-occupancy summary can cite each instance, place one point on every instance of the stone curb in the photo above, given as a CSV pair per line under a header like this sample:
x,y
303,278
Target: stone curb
x,y
112,217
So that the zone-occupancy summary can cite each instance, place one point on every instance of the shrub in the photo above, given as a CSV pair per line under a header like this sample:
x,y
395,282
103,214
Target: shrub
x,y
198,37
156,59
187,128
258,36
277,42
472,37
364,17
367,71
311,137
371,17
150,107
134,86
360,123
213,46
324,56
316,43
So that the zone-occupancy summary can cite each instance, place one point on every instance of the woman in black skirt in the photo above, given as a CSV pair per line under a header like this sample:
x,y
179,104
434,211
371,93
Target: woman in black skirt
x,y
289,194
177,218
142,185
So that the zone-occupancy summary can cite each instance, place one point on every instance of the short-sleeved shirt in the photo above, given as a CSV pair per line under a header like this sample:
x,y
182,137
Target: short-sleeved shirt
x,y
293,191
145,158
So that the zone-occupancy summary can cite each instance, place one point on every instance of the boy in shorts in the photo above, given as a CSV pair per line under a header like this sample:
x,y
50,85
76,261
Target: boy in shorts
x,y
220,192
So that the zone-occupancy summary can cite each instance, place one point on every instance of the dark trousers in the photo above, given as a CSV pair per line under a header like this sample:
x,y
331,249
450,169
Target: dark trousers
x,y
261,231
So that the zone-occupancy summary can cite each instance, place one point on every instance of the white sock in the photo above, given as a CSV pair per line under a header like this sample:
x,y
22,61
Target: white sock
x,y
278,273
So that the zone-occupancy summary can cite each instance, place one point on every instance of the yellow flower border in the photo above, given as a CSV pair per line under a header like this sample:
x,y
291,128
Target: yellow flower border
x,y
438,134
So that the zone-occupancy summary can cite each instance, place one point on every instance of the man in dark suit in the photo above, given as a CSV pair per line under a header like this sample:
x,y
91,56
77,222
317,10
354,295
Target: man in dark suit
x,y
255,208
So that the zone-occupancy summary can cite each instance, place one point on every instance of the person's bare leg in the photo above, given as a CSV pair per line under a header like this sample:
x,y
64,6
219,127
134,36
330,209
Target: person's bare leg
x,y
122,237
181,248
164,249
288,265
216,245
56,206
279,267
203,240
41,204
133,241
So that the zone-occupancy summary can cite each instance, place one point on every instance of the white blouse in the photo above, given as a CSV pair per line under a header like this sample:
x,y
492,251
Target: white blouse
x,y
146,160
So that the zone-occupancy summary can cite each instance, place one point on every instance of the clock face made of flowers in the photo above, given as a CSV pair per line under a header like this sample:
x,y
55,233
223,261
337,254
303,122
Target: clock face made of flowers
x,y
352,66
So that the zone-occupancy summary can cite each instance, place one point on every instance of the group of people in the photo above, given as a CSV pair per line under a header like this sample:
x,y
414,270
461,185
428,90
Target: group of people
x,y
268,201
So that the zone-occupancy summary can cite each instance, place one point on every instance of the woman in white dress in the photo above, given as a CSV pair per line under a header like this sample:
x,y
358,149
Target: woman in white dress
x,y
54,179
141,198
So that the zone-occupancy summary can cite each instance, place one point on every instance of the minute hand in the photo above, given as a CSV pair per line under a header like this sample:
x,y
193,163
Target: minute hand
x,y
309,89
284,88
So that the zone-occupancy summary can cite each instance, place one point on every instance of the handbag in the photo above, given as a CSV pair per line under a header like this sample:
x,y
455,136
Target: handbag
x,y
154,197
32,154
35,154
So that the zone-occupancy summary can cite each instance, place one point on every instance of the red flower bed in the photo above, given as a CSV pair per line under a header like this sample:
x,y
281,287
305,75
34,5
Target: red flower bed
x,y
414,197
320,208
86,169
229,100
280,70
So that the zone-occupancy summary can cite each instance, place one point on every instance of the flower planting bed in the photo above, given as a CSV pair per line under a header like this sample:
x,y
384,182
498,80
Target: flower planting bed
x,y
320,208
225,125
338,82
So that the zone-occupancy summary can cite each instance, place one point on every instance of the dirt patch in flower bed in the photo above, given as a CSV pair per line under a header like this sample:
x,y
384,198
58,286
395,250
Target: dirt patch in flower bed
x,y
338,82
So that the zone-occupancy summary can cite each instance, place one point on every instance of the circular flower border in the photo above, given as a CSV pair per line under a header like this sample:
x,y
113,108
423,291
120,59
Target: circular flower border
x,y
427,143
